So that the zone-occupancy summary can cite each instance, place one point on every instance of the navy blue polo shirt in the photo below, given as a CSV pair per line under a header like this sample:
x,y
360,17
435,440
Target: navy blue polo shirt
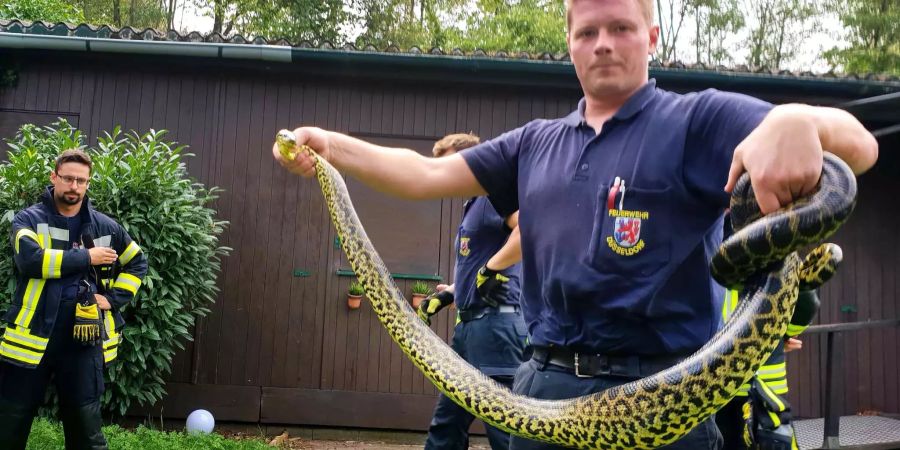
x,y
621,268
481,235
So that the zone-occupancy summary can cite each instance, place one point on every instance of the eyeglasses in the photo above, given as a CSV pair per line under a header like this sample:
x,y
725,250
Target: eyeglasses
x,y
68,179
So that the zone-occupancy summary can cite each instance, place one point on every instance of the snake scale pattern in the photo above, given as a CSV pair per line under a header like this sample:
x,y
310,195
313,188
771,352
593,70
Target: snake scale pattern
x,y
760,258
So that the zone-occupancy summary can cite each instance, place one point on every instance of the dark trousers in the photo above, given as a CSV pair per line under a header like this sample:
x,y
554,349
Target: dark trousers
x,y
449,427
546,381
495,344
77,373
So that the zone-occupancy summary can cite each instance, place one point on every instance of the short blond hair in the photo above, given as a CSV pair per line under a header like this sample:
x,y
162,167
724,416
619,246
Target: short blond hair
x,y
646,7
455,142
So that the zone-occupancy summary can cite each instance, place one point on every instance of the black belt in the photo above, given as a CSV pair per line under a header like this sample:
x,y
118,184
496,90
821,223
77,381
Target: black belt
x,y
588,365
477,313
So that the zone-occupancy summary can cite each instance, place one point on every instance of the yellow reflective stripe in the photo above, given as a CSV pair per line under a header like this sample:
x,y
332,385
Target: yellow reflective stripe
x,y
128,282
19,341
775,419
130,252
29,302
779,388
729,304
52,267
110,325
35,286
25,338
795,330
772,371
111,345
20,354
773,396
43,231
26,334
773,377
26,233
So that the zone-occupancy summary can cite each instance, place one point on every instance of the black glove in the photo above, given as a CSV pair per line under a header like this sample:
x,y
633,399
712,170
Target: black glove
x,y
88,318
491,286
804,312
434,303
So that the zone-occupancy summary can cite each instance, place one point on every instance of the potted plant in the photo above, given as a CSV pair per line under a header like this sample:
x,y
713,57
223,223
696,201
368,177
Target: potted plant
x,y
354,295
420,290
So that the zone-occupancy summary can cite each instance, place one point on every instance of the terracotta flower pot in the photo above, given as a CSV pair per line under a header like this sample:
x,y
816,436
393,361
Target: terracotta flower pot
x,y
353,301
417,300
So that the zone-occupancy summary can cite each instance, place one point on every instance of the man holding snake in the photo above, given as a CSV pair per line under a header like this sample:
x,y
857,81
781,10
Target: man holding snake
x,y
621,203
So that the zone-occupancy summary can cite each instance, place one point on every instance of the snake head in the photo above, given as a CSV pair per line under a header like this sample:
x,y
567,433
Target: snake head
x,y
287,144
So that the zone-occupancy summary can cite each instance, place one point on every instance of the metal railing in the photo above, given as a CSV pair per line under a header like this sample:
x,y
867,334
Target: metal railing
x,y
834,371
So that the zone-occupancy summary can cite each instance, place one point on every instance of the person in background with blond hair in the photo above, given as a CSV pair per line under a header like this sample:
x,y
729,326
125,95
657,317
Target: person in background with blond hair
x,y
490,332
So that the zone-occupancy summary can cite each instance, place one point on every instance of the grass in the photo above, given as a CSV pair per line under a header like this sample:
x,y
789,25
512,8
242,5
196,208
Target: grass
x,y
48,435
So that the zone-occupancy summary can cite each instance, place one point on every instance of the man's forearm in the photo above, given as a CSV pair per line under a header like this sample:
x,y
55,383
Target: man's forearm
x,y
403,172
839,132
509,254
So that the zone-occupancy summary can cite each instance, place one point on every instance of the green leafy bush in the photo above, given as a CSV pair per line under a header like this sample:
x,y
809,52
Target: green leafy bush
x,y
142,182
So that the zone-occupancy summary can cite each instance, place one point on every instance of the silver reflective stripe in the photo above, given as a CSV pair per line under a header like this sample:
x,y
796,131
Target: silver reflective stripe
x,y
508,309
110,342
59,234
53,263
128,282
780,369
38,344
29,302
15,353
43,230
103,241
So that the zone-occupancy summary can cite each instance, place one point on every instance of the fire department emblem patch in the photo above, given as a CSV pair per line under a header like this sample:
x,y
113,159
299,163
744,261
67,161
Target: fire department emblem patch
x,y
628,231
464,246
626,234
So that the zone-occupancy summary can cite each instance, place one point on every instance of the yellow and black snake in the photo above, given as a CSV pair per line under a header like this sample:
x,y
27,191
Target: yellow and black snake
x,y
646,413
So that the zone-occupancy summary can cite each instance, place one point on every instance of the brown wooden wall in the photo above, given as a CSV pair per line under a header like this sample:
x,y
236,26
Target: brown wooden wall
x,y
280,348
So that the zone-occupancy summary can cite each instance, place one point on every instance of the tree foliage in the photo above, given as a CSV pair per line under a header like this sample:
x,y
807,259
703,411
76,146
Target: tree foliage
x,y
47,10
781,26
759,33
294,20
404,23
873,28
141,181
534,26
710,21
715,20
138,14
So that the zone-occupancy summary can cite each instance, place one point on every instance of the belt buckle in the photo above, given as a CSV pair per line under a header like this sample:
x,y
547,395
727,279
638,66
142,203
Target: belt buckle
x,y
578,369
